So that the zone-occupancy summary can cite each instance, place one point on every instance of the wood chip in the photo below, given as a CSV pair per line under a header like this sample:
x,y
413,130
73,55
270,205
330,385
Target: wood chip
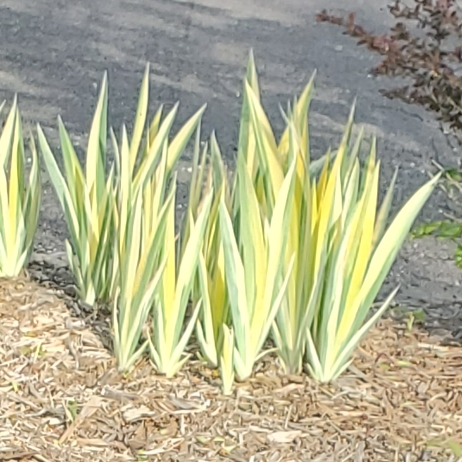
x,y
405,405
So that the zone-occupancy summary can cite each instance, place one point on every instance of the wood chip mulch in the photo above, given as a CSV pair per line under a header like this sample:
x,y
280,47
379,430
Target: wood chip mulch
x,y
61,399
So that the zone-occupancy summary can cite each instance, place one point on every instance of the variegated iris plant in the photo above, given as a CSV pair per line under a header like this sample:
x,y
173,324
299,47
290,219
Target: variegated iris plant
x,y
209,289
241,280
19,199
87,199
339,238
147,275
290,248
122,229
350,251
321,219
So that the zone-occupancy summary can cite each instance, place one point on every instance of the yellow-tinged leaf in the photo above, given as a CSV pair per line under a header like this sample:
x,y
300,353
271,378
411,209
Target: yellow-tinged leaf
x,y
301,111
324,211
140,120
72,167
246,146
323,179
206,337
133,256
125,188
96,148
169,280
382,216
226,360
278,233
350,202
365,247
218,293
154,128
342,360
6,223
266,144
156,149
6,137
19,200
33,197
170,315
315,207
179,142
15,189
235,279
251,153
252,76
385,254
252,240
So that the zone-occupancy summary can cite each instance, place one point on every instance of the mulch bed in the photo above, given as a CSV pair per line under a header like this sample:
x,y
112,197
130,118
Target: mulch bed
x,y
61,399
